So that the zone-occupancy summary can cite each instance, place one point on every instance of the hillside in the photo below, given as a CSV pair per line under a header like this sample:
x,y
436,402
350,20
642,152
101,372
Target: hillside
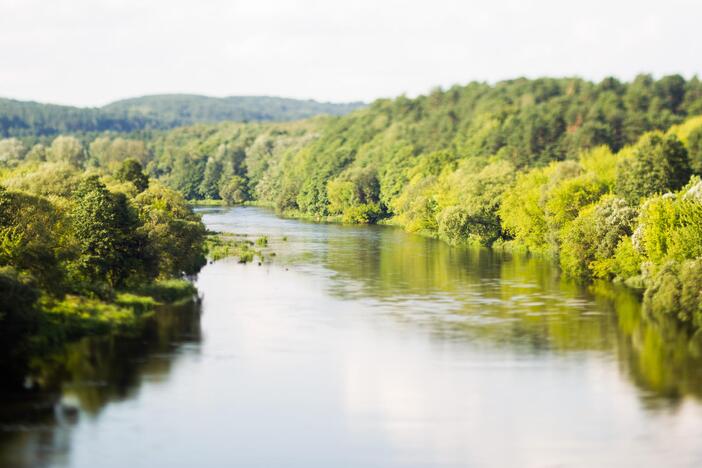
x,y
181,109
24,118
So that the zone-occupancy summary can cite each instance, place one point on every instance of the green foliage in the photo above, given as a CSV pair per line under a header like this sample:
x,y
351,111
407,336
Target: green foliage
x,y
76,316
12,151
454,224
676,290
168,290
591,242
67,149
694,149
175,235
109,153
670,226
233,192
522,213
355,196
221,246
658,164
111,248
579,244
211,180
46,179
627,261
131,171
30,230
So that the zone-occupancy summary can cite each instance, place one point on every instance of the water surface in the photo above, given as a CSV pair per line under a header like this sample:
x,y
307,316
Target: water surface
x,y
366,346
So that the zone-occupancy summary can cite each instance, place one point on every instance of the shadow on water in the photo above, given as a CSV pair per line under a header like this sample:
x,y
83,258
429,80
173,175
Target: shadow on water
x,y
81,379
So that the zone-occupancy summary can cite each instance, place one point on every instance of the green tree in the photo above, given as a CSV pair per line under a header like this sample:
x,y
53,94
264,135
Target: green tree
x,y
209,188
29,230
131,171
658,164
694,149
111,245
233,191
176,235
66,149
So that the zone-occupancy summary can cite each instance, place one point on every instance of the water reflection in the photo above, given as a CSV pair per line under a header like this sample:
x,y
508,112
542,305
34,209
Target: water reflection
x,y
79,381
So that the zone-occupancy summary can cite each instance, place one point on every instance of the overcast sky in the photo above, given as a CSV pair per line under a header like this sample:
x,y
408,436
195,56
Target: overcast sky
x,y
90,52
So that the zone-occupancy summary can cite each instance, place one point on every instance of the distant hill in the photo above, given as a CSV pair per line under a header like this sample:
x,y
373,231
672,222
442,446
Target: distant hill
x,y
182,109
25,118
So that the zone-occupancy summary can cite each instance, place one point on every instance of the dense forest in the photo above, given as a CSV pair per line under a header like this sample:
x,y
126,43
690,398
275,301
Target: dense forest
x,y
603,177
25,119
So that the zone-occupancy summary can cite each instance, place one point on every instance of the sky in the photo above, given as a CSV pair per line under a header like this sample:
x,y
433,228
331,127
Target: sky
x,y
91,52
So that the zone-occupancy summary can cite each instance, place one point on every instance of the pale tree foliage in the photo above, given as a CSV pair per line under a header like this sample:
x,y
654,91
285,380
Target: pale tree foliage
x,y
11,150
67,149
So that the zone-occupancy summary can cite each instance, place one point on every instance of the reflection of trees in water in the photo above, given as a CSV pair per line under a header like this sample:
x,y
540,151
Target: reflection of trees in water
x,y
659,355
517,301
89,374
96,371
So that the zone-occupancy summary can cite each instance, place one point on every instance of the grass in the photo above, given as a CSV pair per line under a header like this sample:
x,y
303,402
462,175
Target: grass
x,y
73,317
169,291
207,202
220,246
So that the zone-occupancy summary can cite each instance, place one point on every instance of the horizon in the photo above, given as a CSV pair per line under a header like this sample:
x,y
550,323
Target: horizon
x,y
323,101
89,53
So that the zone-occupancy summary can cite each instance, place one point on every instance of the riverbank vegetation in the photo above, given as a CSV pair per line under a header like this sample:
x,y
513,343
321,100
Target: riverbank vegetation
x,y
85,252
225,245
600,176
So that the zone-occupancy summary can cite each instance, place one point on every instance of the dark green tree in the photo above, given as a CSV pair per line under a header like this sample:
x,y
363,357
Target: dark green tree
x,y
111,246
132,171
209,188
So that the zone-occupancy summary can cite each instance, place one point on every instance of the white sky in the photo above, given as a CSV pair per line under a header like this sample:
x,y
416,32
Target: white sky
x,y
90,52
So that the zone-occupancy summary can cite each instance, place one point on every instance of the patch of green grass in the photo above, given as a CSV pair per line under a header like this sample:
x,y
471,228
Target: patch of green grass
x,y
207,202
169,290
220,246
76,316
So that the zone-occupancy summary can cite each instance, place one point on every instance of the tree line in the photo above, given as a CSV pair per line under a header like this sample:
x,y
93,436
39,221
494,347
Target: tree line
x,y
601,176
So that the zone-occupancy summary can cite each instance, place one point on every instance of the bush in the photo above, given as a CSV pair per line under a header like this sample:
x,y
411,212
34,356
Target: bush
x,y
366,213
579,244
676,290
453,224
670,226
658,164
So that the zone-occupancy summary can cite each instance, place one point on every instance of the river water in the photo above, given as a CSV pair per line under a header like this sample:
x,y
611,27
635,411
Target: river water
x,y
369,347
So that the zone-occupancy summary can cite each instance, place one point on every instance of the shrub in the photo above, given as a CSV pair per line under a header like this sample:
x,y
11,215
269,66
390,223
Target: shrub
x,y
658,164
676,290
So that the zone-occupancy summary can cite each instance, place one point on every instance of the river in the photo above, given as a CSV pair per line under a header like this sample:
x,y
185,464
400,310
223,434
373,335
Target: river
x,y
369,347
